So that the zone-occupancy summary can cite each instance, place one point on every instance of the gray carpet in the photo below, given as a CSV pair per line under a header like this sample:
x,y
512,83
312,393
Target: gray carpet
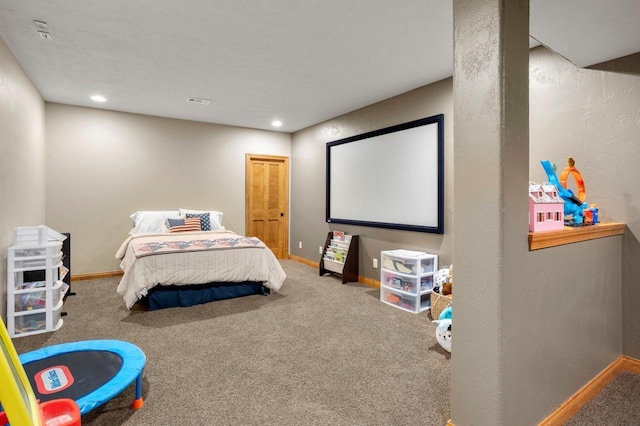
x,y
617,404
318,353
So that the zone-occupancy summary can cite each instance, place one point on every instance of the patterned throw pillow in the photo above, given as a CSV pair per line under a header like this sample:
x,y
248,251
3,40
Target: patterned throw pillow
x,y
174,222
205,220
183,225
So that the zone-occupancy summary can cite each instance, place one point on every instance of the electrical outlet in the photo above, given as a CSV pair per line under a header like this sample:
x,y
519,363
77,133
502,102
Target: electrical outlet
x,y
375,263
319,249
299,244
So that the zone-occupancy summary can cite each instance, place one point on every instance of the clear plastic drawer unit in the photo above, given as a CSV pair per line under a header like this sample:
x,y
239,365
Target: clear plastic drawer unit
x,y
406,279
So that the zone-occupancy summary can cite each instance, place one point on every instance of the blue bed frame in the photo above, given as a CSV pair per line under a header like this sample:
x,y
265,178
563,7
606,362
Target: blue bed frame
x,y
170,296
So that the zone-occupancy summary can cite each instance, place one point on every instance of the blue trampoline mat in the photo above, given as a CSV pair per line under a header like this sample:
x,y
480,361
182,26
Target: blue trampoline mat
x,y
90,372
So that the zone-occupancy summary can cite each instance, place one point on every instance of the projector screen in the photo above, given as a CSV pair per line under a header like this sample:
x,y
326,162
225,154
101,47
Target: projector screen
x,y
389,178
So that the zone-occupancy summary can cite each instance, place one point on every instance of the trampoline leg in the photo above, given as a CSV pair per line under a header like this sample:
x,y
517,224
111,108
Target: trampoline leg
x,y
138,402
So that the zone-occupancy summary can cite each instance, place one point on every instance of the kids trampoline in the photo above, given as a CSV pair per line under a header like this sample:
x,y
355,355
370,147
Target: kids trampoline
x,y
19,404
90,372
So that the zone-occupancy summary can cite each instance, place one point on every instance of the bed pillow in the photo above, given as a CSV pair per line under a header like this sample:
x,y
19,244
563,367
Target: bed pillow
x,y
151,220
174,222
183,225
205,222
215,217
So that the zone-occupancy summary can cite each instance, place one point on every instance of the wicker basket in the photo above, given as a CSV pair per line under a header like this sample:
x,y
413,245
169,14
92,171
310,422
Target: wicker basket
x,y
438,304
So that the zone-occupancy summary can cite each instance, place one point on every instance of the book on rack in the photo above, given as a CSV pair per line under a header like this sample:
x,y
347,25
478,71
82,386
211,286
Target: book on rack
x,y
63,271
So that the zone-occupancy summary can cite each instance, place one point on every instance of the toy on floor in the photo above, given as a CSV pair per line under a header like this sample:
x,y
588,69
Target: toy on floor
x,y
443,280
441,276
18,398
90,372
441,294
447,287
443,329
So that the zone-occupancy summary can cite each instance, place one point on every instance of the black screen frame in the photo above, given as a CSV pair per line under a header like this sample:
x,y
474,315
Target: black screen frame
x,y
437,228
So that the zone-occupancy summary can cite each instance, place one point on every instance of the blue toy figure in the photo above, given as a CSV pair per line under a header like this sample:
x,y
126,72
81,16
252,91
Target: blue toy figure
x,y
572,204
594,213
445,314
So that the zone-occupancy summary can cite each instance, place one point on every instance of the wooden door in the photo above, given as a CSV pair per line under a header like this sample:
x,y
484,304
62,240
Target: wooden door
x,y
267,201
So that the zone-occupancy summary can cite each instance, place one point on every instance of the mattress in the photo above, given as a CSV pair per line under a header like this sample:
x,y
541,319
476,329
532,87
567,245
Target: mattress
x,y
196,257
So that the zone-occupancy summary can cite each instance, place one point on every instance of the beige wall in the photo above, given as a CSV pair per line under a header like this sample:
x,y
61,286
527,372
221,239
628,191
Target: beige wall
x,y
308,172
593,115
104,165
564,308
22,187
591,290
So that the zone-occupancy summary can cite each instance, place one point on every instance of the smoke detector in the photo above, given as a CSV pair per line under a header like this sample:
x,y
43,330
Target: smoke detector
x,y
199,101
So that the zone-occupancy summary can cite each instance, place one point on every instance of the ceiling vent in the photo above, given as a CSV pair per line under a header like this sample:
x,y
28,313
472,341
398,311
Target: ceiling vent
x,y
199,101
45,35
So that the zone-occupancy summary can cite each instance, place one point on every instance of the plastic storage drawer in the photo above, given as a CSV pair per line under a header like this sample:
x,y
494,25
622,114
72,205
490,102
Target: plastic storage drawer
x,y
411,303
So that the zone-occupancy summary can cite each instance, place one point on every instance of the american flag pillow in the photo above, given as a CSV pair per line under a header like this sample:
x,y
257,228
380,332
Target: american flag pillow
x,y
205,220
183,225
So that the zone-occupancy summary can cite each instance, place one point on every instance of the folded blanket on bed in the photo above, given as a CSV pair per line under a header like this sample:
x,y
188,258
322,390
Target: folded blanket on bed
x,y
150,243
146,248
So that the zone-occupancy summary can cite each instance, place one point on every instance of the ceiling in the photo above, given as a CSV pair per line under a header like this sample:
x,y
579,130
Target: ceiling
x,y
301,62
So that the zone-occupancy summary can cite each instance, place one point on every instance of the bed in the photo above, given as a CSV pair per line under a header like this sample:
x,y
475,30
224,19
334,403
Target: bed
x,y
166,268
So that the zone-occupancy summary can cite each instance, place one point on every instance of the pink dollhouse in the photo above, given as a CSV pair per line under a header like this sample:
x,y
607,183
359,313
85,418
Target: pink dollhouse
x,y
546,208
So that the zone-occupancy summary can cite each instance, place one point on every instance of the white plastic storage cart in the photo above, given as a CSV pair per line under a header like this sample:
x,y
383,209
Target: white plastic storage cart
x,y
34,306
406,279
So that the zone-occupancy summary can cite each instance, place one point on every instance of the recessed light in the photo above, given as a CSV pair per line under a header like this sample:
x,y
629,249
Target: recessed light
x,y
99,98
276,123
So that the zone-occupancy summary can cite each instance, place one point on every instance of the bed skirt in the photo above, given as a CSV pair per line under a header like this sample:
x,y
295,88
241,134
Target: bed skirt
x,y
171,296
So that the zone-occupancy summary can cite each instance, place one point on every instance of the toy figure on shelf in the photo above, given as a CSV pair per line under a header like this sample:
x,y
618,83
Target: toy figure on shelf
x,y
594,214
573,205
571,170
546,208
591,213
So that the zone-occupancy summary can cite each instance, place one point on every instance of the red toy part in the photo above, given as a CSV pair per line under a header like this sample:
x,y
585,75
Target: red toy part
x,y
392,298
137,404
60,412
57,412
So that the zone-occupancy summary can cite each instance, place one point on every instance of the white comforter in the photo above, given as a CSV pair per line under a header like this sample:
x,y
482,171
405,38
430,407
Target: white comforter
x,y
229,264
